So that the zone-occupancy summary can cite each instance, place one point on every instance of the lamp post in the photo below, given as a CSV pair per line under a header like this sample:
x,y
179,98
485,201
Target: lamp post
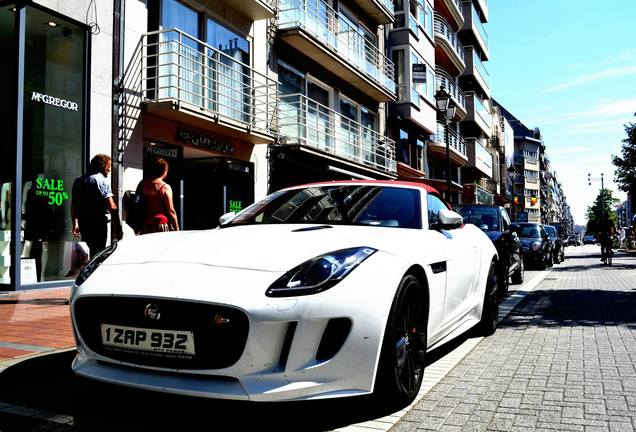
x,y
446,109
589,182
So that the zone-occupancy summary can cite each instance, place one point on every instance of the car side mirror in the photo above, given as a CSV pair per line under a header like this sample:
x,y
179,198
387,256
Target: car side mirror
x,y
449,219
224,219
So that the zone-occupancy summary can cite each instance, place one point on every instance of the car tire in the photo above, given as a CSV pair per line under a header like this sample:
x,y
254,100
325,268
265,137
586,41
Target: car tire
x,y
402,359
517,276
503,281
490,309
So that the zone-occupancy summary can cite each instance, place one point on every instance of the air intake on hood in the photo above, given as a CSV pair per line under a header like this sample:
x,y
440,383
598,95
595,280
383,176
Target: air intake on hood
x,y
312,228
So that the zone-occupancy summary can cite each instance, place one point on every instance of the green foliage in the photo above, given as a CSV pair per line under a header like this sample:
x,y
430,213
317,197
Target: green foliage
x,y
595,211
625,173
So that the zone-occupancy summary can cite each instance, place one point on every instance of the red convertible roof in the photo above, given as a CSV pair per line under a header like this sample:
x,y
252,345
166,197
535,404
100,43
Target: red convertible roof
x,y
426,187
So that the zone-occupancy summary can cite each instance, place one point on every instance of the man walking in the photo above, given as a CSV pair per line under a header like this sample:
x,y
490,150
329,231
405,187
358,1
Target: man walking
x,y
606,232
92,197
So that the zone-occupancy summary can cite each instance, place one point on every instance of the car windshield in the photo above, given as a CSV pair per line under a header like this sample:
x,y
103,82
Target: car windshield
x,y
483,217
528,231
338,204
551,231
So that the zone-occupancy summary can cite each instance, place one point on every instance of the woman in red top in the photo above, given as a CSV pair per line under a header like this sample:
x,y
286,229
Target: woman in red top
x,y
159,209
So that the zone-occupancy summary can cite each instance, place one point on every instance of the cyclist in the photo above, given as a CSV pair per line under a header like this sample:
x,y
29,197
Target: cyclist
x,y
606,232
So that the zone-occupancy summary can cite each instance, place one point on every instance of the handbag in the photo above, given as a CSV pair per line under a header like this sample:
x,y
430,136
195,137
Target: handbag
x,y
78,254
135,208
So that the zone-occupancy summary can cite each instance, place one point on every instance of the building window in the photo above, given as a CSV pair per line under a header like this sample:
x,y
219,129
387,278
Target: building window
x,y
403,147
399,70
429,20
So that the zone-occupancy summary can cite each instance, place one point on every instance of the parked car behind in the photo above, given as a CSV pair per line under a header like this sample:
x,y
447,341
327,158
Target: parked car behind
x,y
573,240
558,252
537,248
589,239
495,222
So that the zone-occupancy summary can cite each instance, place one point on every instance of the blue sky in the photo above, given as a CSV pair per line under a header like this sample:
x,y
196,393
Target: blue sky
x,y
569,68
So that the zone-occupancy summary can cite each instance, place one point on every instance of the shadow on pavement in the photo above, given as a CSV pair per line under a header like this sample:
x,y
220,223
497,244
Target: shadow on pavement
x,y
580,307
47,383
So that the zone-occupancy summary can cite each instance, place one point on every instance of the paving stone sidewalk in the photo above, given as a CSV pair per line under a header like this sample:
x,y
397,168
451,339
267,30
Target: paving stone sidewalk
x,y
563,360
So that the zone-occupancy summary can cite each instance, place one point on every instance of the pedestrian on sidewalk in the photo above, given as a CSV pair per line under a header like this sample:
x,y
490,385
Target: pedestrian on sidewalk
x,y
91,200
159,210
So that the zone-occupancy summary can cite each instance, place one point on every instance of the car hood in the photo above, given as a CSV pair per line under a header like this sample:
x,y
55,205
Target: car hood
x,y
528,241
255,247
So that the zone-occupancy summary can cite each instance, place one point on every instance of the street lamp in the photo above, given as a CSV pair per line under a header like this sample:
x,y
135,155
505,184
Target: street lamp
x,y
446,108
589,182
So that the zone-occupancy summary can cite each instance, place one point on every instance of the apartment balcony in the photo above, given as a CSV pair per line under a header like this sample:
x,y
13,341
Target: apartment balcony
x,y
457,145
380,10
478,157
177,77
476,72
451,9
307,123
474,30
320,33
442,78
531,164
256,9
483,8
416,107
478,113
449,49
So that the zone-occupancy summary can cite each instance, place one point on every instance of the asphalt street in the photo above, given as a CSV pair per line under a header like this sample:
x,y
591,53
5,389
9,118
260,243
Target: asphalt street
x,y
563,359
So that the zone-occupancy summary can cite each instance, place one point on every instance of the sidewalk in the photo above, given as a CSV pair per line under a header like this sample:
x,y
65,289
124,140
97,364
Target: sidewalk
x,y
563,360
33,322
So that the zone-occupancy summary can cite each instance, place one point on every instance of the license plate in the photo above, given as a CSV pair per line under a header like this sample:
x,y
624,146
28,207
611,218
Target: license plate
x,y
143,339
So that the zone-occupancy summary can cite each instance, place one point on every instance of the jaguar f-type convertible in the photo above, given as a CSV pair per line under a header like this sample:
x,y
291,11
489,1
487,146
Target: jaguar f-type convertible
x,y
318,291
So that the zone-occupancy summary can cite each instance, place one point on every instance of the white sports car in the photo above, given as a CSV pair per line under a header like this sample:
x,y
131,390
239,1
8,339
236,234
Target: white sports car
x,y
317,291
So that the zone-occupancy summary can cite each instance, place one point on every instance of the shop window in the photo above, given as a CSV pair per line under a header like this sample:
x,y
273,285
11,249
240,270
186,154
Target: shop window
x,y
52,156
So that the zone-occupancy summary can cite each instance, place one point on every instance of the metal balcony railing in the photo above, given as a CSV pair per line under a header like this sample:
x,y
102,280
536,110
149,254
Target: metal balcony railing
x,y
443,78
455,140
174,65
443,28
307,122
480,27
325,24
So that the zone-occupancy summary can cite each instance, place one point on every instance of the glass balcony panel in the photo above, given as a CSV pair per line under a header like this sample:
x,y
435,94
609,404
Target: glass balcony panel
x,y
480,27
481,68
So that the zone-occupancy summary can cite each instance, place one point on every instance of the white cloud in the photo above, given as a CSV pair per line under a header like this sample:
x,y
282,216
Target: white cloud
x,y
624,108
596,76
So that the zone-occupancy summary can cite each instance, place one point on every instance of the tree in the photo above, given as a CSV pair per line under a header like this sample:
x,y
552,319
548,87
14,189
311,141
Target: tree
x,y
603,203
625,173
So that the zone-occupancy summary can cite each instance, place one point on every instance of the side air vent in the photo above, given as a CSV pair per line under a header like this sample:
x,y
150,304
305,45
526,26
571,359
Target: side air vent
x,y
333,338
284,352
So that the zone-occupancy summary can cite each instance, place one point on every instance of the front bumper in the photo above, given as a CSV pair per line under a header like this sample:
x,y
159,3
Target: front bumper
x,y
279,360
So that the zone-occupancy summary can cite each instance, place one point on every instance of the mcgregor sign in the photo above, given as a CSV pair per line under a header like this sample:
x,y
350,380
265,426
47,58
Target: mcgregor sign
x,y
55,101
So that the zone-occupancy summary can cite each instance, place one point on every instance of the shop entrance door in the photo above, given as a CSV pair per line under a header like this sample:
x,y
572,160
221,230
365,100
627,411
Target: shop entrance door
x,y
212,187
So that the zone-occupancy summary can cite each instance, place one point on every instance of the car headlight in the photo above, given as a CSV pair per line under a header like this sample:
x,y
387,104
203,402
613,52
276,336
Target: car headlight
x,y
95,262
536,246
319,273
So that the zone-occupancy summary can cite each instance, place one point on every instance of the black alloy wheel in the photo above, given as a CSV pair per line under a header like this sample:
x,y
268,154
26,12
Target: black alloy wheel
x,y
490,308
517,276
402,360
503,280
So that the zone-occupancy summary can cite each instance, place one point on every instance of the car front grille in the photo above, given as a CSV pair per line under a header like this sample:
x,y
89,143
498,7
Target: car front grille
x,y
218,343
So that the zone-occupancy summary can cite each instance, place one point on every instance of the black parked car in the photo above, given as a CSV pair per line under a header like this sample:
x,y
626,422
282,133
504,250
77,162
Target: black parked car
x,y
558,249
495,222
537,248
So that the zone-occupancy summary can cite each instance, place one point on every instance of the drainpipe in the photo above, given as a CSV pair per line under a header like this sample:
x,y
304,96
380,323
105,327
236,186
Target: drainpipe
x,y
117,73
